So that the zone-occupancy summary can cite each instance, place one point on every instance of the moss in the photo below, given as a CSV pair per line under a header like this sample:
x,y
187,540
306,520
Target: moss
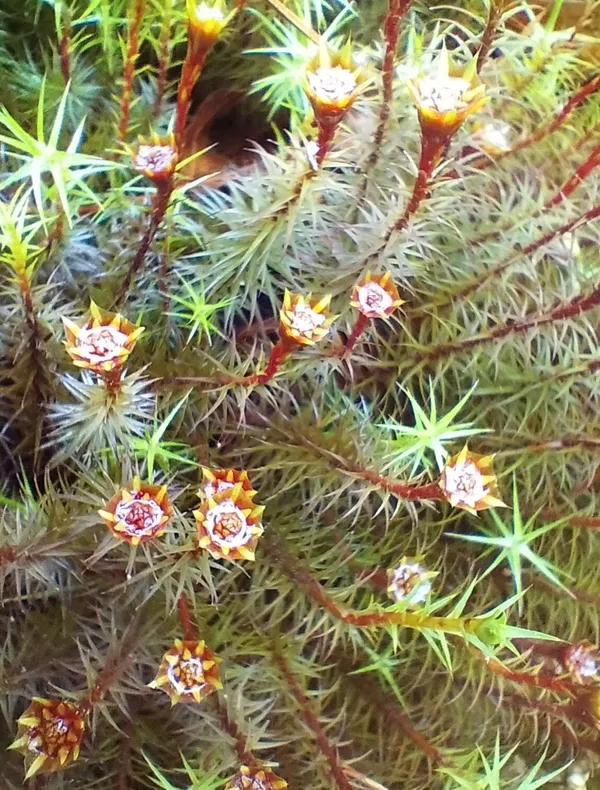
x,y
369,308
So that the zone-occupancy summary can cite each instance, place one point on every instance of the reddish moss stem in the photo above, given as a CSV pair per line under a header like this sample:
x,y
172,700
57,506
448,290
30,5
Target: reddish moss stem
x,y
389,711
458,626
190,632
401,489
164,49
391,28
545,129
464,291
160,204
192,68
65,44
240,740
113,668
312,722
576,179
432,148
359,327
489,32
535,679
324,140
133,50
279,353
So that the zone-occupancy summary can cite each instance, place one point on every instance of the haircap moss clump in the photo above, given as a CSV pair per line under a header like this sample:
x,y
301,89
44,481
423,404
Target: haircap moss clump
x,y
300,395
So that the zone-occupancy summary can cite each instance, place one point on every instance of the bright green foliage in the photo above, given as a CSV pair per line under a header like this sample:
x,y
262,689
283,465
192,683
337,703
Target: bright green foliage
x,y
332,676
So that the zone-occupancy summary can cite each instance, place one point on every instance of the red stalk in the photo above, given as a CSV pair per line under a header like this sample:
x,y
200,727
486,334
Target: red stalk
x,y
160,204
396,11
432,148
65,45
133,50
190,632
192,67
313,722
359,327
164,47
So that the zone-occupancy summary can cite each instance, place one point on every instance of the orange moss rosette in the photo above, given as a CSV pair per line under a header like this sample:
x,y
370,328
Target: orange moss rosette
x,y
206,22
188,672
447,95
229,524
215,481
138,513
256,779
155,158
376,296
50,733
332,83
581,662
104,343
468,482
303,320
409,581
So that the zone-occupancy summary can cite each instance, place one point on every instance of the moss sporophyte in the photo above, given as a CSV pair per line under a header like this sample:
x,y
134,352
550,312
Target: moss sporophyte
x,y
300,374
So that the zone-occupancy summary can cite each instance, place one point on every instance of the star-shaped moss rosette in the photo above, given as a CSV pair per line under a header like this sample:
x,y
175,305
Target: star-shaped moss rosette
x,y
206,22
215,481
581,662
256,779
229,524
304,320
409,581
155,158
138,513
447,95
468,482
104,343
376,296
188,672
49,736
332,83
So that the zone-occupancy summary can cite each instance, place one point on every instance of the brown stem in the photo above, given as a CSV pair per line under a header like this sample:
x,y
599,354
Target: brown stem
x,y
112,380
389,711
432,148
324,140
489,33
396,11
576,179
535,679
294,20
133,50
39,381
65,44
192,67
312,722
398,487
359,327
279,353
545,129
113,668
240,741
466,290
190,632
562,312
160,204
458,626
164,49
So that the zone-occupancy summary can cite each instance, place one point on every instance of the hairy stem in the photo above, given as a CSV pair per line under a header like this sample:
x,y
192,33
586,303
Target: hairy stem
x,y
160,205
312,721
65,44
396,11
164,49
136,15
